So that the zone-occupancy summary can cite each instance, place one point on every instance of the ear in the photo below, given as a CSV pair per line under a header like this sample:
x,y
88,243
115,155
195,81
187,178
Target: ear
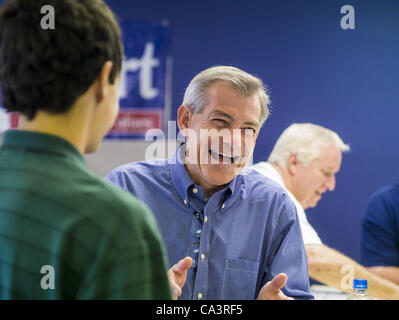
x,y
184,115
292,164
102,81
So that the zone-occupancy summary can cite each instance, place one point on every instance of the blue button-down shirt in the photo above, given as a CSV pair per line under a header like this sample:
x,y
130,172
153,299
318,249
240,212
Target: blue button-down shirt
x,y
239,238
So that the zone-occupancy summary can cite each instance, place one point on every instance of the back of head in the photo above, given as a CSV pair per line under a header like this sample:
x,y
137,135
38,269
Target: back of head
x,y
304,140
48,69
195,95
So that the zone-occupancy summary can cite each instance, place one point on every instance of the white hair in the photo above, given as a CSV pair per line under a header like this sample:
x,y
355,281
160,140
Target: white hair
x,y
195,96
305,140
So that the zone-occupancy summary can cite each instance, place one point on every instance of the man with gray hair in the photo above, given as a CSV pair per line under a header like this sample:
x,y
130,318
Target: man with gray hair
x,y
304,161
233,232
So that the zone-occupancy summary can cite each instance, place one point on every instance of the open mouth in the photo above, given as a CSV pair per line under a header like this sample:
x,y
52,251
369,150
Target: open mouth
x,y
223,158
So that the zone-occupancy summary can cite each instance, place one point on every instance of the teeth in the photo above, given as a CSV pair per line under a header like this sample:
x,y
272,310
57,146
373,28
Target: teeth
x,y
226,155
217,155
223,155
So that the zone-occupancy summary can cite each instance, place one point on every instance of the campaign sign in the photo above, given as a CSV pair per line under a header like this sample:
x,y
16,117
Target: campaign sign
x,y
4,118
144,87
7,120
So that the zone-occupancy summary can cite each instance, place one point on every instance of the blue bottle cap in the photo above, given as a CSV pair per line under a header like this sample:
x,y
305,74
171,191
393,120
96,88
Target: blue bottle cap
x,y
359,284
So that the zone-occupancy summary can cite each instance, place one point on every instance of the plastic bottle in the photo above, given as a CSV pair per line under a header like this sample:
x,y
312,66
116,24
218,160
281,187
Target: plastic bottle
x,y
359,290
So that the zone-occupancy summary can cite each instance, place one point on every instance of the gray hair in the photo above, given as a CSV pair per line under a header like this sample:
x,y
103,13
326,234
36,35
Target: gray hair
x,y
305,140
195,95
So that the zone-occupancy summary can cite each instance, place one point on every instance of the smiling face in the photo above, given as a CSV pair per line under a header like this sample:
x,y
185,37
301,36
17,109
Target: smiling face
x,y
308,183
220,139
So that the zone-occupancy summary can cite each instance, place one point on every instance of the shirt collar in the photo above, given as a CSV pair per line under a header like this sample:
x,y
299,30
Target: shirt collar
x,y
274,174
182,179
180,176
40,143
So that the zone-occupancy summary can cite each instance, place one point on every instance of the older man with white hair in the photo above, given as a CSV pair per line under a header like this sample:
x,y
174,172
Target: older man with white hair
x,y
305,160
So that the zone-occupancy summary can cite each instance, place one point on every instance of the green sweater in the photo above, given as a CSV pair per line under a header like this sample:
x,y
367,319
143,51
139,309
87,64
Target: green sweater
x,y
66,234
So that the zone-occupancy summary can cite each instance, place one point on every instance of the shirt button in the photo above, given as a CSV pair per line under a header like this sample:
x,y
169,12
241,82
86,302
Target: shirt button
x,y
195,190
205,219
199,296
185,201
202,256
223,205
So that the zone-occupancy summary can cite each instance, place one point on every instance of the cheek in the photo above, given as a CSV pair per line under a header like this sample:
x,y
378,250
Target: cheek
x,y
248,145
320,181
112,109
306,184
115,106
196,149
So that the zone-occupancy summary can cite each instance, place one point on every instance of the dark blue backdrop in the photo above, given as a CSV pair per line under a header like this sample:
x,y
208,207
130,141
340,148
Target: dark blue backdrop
x,y
346,80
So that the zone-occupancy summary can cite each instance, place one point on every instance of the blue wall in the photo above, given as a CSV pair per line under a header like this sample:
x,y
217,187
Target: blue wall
x,y
346,80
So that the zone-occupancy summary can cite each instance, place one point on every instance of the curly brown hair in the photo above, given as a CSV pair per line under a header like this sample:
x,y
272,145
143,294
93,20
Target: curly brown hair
x,y
48,69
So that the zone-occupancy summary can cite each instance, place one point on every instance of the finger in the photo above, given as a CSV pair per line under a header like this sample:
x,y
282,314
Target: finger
x,y
176,292
183,265
278,282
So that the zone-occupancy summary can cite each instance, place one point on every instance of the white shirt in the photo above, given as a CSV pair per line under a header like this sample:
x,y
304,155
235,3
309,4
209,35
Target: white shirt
x,y
309,234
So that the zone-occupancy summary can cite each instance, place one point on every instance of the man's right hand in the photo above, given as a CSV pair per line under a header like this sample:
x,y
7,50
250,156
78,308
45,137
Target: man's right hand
x,y
177,275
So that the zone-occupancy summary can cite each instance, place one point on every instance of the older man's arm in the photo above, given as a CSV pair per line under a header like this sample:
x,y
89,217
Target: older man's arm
x,y
389,273
331,267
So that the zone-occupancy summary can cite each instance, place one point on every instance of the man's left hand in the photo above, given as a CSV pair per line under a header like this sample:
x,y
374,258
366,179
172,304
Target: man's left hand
x,y
272,289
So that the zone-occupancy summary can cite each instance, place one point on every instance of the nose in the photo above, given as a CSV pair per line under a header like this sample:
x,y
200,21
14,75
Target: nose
x,y
330,183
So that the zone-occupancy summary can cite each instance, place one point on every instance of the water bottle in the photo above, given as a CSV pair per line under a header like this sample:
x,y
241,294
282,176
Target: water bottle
x,y
359,290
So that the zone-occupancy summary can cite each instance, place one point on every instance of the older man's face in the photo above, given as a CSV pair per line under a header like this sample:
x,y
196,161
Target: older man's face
x,y
311,181
224,136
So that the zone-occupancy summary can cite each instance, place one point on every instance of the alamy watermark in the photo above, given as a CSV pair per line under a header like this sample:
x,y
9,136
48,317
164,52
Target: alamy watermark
x,y
215,146
348,271
48,280
348,20
48,20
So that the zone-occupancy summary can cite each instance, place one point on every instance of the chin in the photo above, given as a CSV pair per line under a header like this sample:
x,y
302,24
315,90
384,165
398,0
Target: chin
x,y
218,178
91,148
312,205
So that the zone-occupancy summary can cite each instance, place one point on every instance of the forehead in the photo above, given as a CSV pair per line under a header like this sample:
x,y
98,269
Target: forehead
x,y
223,98
330,157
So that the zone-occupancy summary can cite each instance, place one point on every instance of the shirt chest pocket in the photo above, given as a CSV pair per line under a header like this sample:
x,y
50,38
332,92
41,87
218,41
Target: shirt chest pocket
x,y
239,280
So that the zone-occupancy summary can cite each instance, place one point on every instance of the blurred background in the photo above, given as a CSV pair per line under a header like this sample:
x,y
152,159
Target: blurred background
x,y
315,71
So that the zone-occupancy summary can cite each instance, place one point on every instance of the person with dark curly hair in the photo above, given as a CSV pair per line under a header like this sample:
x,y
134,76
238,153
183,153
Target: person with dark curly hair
x,y
64,233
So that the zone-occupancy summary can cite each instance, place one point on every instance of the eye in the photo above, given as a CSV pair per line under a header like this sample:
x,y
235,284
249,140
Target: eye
x,y
219,122
327,174
249,131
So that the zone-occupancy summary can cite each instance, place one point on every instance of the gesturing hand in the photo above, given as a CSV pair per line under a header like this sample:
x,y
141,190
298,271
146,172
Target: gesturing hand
x,y
271,290
177,275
